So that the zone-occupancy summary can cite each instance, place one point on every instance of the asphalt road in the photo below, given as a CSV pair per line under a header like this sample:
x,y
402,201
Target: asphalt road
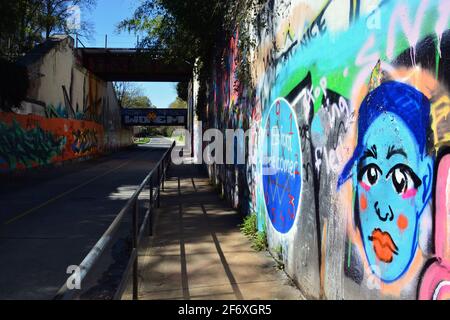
x,y
52,218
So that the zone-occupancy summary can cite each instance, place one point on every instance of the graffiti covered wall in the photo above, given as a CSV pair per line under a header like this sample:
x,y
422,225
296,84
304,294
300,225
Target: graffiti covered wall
x,y
69,113
31,141
347,161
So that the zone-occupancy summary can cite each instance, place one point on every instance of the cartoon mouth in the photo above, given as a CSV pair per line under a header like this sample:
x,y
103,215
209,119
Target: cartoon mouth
x,y
383,245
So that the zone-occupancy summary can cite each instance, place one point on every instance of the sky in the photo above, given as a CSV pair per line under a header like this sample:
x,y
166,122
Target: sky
x,y
105,17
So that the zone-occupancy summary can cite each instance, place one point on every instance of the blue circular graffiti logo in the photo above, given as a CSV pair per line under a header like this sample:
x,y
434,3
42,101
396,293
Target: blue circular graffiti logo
x,y
281,165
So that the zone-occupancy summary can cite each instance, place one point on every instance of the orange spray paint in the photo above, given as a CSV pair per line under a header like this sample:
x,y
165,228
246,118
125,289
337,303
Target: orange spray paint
x,y
363,202
402,222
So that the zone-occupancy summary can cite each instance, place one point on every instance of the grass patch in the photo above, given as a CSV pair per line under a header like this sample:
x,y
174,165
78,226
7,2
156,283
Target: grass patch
x,y
260,241
279,251
250,229
278,256
142,140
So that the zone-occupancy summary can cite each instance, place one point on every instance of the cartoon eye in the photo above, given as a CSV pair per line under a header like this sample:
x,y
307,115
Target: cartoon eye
x,y
403,178
370,174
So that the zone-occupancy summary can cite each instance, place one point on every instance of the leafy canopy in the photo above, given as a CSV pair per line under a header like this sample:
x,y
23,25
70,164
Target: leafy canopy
x,y
131,95
196,32
25,23
191,30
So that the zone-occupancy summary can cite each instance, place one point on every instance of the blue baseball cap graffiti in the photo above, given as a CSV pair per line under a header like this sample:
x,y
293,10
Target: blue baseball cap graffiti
x,y
412,106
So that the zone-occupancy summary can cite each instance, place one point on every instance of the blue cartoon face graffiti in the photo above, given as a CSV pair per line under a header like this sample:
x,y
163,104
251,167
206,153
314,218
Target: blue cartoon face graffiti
x,y
392,175
387,179
281,165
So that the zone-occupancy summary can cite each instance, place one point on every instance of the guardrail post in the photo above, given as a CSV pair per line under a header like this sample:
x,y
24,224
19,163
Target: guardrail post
x,y
135,247
163,173
150,208
158,181
169,161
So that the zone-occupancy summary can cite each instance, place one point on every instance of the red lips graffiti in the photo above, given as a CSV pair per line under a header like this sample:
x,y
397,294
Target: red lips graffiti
x,y
384,245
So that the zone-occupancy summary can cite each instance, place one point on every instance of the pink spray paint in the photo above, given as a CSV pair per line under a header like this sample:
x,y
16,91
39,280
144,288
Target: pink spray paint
x,y
435,284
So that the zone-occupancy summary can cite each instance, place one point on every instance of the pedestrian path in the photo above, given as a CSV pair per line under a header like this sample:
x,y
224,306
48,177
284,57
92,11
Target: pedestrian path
x,y
198,252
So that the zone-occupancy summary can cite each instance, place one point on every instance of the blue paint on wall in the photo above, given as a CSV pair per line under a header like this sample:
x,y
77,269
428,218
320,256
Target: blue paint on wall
x,y
282,165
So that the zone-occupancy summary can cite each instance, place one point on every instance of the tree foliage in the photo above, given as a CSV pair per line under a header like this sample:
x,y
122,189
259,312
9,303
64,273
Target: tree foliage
x,y
182,90
195,31
54,16
187,30
131,96
138,102
178,104
25,23
183,29
19,26
14,83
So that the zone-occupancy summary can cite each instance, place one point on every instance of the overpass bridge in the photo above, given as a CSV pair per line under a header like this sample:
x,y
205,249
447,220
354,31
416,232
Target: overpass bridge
x,y
127,64
139,65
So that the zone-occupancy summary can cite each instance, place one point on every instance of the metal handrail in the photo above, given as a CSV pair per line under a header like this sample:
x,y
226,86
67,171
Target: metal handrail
x,y
99,248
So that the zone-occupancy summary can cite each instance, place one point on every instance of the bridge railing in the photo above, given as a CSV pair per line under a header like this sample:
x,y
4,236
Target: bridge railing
x,y
111,42
78,42
155,182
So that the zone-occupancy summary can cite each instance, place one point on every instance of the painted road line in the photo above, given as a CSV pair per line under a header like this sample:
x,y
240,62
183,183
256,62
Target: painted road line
x,y
64,194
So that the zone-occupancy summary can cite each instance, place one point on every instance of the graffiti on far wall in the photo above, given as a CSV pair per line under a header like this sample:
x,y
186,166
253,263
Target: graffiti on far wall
x,y
21,147
28,141
85,141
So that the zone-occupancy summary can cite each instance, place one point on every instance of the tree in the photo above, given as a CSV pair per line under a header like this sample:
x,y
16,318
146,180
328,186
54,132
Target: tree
x,y
188,30
19,27
124,89
196,31
55,15
25,23
185,30
182,90
130,95
139,102
14,82
178,104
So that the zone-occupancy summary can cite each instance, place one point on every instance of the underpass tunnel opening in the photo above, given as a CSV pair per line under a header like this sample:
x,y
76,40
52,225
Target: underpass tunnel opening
x,y
156,112
161,92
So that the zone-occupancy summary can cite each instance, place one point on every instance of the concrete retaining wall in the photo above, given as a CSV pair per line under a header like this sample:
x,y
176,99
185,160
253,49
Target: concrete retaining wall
x,y
69,113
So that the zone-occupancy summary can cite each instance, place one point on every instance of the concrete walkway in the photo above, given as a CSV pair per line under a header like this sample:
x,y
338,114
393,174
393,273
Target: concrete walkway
x,y
198,252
